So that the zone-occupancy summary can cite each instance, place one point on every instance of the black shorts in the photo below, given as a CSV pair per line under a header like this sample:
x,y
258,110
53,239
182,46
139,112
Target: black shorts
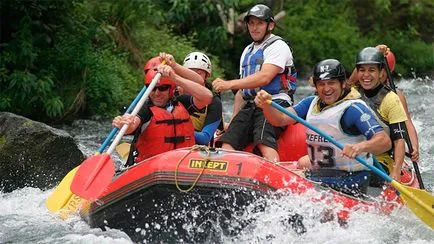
x,y
250,125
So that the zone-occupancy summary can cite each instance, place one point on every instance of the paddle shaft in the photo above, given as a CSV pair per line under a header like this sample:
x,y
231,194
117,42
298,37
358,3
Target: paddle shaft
x,y
112,133
329,138
406,135
100,164
60,200
134,112
419,201
115,130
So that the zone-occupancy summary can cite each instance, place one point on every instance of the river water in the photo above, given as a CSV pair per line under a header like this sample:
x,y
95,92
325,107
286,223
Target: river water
x,y
25,219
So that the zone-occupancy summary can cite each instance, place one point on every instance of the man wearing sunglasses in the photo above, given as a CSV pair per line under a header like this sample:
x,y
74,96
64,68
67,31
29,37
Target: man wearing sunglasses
x,y
164,123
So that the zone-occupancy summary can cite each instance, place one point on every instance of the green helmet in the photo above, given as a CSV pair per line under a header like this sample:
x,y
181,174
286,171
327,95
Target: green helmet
x,y
329,69
370,55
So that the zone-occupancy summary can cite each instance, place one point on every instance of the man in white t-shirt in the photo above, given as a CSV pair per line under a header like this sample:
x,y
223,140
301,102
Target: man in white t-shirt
x,y
265,65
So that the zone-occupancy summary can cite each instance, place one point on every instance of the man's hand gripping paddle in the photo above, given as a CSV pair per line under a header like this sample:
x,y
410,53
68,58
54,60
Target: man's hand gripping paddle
x,y
420,202
96,172
62,199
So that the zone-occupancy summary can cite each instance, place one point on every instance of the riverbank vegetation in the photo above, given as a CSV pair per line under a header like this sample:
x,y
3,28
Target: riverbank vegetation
x,y
62,60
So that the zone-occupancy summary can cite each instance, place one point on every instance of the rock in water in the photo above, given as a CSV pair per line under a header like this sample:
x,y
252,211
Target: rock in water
x,y
33,153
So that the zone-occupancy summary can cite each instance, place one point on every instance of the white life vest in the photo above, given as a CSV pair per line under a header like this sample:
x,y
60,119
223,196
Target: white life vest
x,y
325,154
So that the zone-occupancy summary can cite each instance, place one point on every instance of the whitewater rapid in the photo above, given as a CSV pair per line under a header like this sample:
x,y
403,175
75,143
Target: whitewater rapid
x,y
25,219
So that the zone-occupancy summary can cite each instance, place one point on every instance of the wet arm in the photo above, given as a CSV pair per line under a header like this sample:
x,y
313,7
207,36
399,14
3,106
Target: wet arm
x,y
204,136
201,95
277,118
397,135
211,123
377,140
398,158
379,143
133,122
274,116
188,73
181,70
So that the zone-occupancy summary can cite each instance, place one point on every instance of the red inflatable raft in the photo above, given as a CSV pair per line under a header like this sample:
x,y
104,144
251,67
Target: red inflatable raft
x,y
201,186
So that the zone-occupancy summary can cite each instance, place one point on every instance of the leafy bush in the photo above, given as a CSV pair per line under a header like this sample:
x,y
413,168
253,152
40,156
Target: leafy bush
x,y
27,83
319,30
61,60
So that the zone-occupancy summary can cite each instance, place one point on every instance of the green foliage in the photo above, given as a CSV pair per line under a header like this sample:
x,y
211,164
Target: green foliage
x,y
76,71
200,23
416,59
27,84
342,28
66,59
317,35
408,29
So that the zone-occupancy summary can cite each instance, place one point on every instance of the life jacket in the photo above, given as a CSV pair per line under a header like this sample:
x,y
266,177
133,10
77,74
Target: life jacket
x,y
284,82
198,119
325,154
375,102
166,131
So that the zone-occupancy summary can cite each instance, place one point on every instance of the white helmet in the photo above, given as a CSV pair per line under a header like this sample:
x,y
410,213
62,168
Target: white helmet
x,y
198,60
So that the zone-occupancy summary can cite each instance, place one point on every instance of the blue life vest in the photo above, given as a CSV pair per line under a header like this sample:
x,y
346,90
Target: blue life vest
x,y
284,82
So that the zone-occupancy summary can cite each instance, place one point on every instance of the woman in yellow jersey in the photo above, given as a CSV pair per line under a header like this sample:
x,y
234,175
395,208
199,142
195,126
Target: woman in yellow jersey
x,y
412,133
370,65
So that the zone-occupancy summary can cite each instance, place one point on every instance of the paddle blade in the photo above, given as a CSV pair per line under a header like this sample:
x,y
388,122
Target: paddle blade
x,y
93,176
62,200
420,202
61,195
123,150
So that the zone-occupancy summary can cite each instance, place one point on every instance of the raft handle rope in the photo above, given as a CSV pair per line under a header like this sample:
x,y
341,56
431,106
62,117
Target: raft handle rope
x,y
207,159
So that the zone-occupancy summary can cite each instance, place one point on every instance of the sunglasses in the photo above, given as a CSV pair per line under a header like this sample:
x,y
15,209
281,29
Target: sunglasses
x,y
161,88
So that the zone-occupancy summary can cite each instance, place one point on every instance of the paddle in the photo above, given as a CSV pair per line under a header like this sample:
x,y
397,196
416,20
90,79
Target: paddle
x,y
123,150
62,198
96,172
418,201
407,137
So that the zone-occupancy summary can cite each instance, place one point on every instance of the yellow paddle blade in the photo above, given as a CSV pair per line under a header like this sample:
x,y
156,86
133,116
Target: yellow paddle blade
x,y
419,201
62,200
62,193
123,150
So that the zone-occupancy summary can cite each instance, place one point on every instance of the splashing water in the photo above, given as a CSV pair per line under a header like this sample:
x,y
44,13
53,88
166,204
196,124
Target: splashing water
x,y
25,219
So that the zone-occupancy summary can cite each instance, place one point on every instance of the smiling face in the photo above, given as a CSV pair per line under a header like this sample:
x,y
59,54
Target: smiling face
x,y
258,28
369,75
160,98
329,91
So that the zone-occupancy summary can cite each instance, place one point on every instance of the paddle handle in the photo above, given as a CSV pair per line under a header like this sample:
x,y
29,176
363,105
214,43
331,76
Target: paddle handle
x,y
135,111
407,137
115,130
329,138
